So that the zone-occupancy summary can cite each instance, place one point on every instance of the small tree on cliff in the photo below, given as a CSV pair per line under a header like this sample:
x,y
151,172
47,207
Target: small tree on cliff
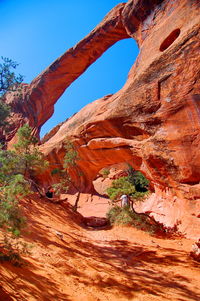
x,y
69,166
32,160
8,82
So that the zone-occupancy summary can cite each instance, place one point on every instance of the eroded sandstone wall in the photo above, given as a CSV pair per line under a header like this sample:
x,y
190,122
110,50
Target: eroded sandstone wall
x,y
153,121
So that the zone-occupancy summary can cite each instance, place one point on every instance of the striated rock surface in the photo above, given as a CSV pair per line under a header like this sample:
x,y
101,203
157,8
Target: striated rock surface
x,y
152,123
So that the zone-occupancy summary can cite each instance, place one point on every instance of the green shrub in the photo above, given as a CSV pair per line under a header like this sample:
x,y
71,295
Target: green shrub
x,y
135,185
120,186
56,171
138,180
125,216
13,250
17,169
4,113
112,213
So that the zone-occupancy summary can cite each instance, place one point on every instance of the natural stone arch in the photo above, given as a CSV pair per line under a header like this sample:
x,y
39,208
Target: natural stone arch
x,y
153,119
156,112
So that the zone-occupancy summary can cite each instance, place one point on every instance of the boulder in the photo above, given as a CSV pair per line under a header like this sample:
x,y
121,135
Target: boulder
x,y
95,222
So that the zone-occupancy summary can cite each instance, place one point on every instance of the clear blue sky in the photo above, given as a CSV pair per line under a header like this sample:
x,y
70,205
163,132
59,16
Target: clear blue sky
x,y
35,32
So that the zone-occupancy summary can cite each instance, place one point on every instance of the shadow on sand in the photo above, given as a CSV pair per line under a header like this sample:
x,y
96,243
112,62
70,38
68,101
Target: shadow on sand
x,y
115,266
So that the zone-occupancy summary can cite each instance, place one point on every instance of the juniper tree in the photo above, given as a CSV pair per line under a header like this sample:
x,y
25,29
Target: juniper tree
x,y
9,81
69,164
17,169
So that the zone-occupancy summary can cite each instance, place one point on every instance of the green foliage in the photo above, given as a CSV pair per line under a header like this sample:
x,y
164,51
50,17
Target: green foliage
x,y
13,250
31,159
135,185
56,171
16,169
118,215
105,172
71,155
61,187
138,180
127,185
69,166
120,186
11,217
125,216
4,113
8,80
13,188
69,162
139,196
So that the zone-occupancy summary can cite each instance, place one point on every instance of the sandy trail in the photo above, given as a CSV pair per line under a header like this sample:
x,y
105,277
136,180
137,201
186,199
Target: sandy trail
x,y
120,263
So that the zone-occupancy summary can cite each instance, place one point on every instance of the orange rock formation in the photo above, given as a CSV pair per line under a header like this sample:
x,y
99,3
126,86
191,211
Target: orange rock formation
x,y
152,123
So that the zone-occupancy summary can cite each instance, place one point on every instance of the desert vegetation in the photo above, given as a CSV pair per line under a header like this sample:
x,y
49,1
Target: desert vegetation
x,y
17,169
65,180
135,186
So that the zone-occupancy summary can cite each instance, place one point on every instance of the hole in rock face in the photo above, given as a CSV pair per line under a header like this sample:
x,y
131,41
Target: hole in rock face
x,y
170,39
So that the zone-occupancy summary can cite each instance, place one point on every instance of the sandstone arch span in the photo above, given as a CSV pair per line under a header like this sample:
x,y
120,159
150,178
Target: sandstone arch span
x,y
36,102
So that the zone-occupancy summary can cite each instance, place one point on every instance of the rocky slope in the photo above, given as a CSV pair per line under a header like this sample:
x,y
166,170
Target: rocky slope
x,y
96,265
152,123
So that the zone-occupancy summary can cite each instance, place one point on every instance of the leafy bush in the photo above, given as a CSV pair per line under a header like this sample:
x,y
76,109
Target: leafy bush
x,y
120,186
13,250
71,155
125,216
112,213
30,158
17,167
117,215
138,180
69,167
135,185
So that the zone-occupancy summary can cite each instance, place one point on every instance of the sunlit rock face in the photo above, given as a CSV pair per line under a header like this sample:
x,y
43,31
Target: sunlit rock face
x,y
153,122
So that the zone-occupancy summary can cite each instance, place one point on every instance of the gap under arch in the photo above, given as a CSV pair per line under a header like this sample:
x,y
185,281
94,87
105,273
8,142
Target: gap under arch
x,y
106,76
